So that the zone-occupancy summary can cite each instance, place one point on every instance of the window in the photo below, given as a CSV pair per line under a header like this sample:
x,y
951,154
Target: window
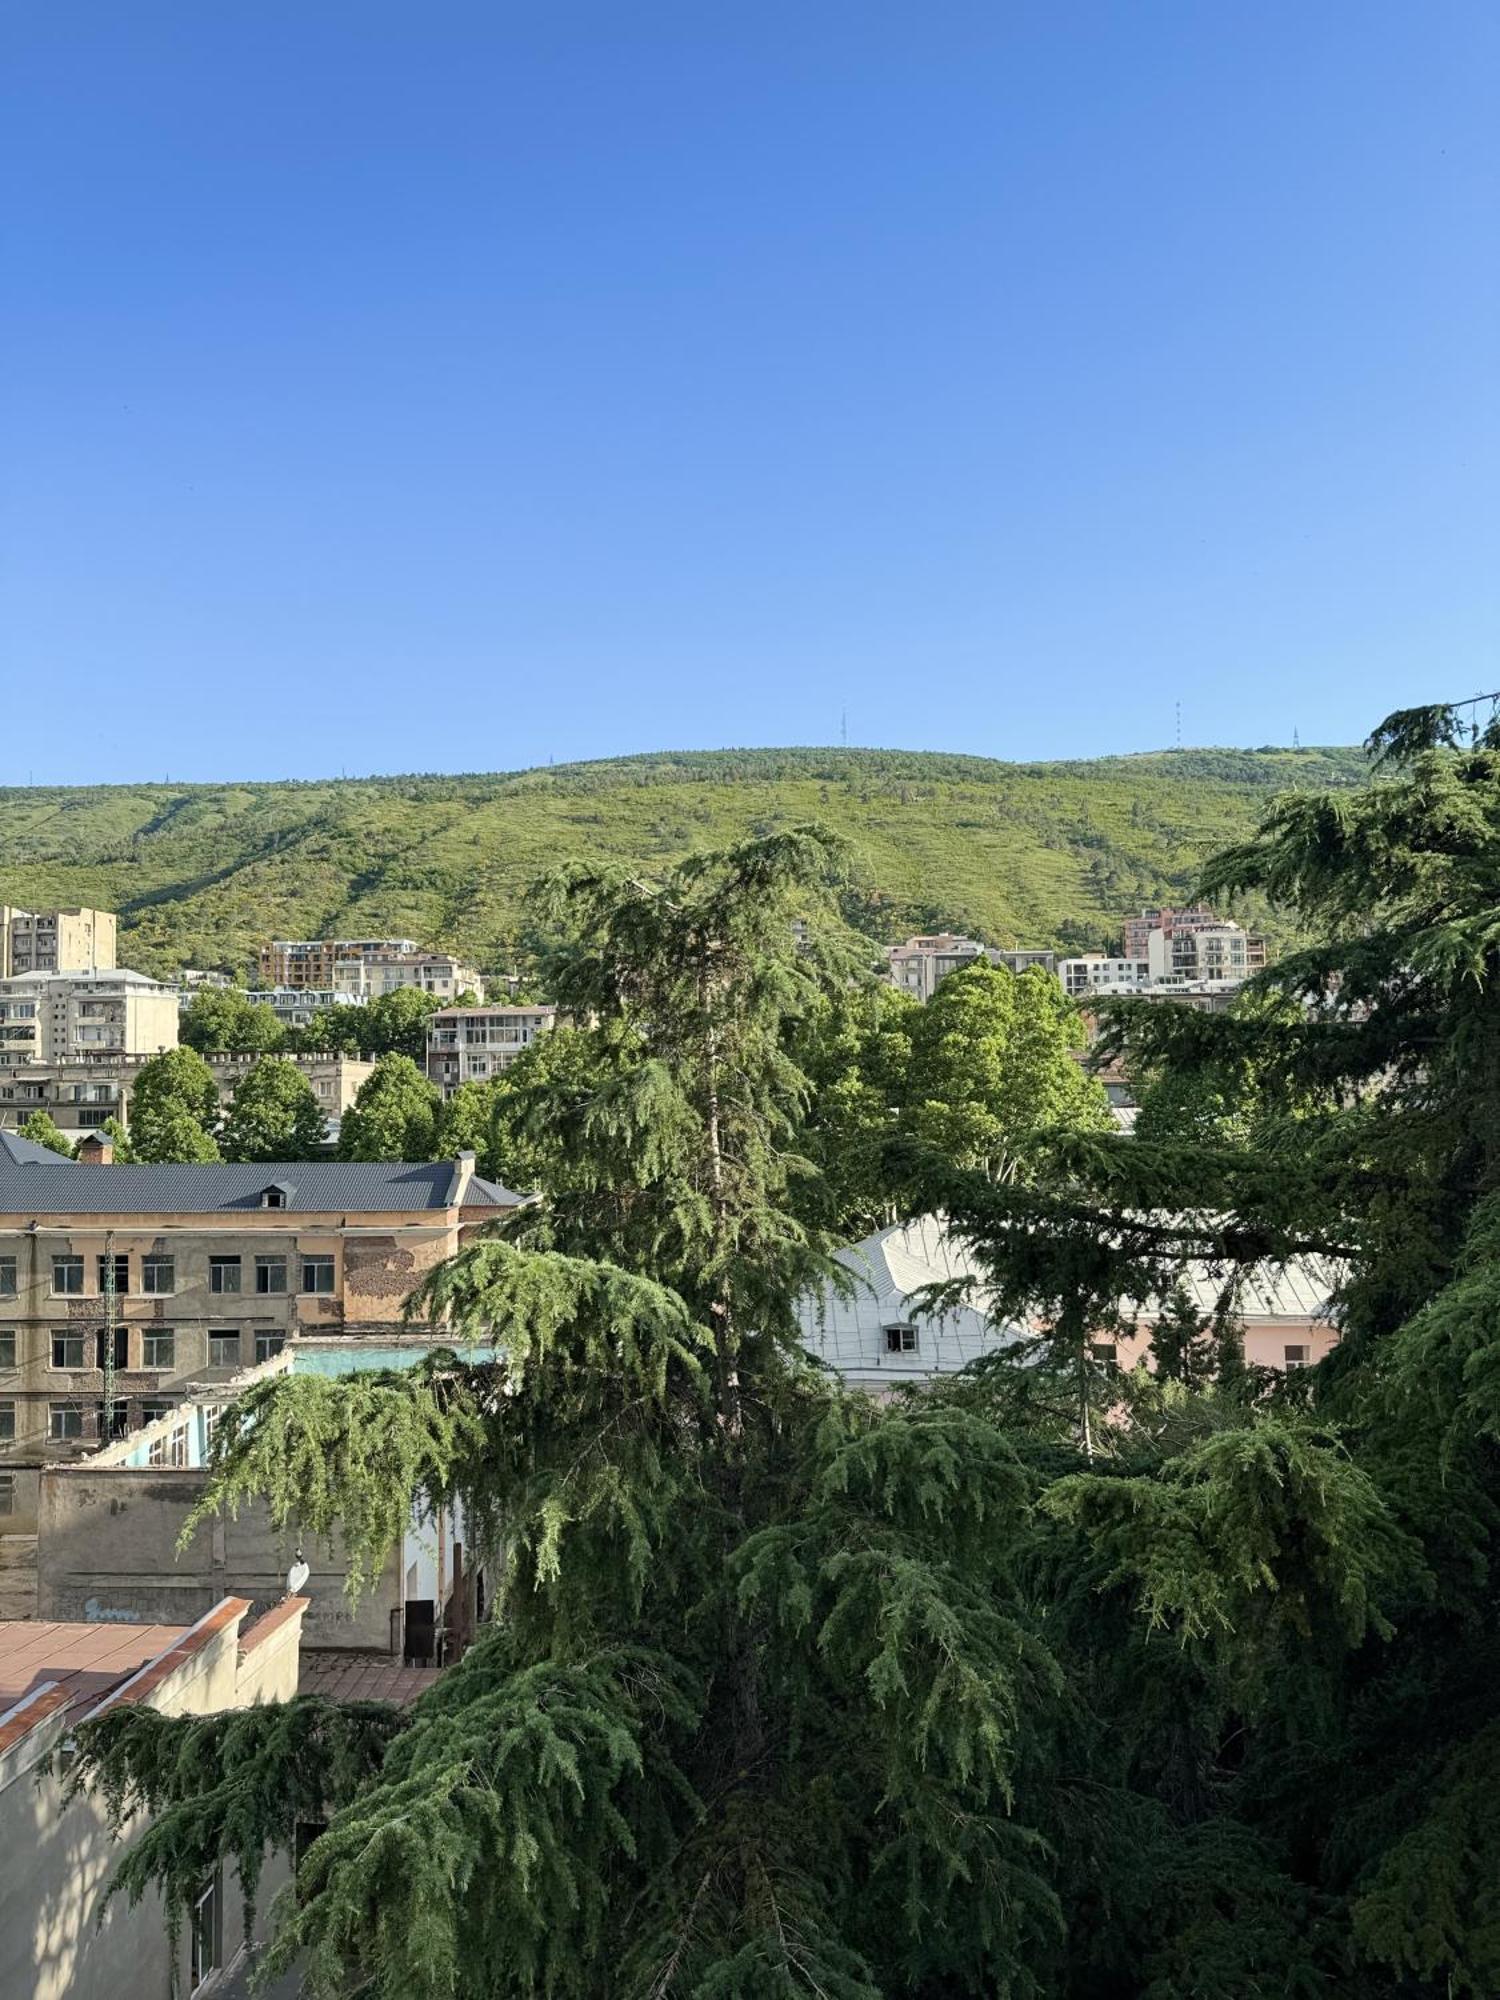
x,y
119,1420
7,1421
223,1274
64,1421
7,1493
158,1274
268,1345
274,1197
122,1346
1296,1357
206,1935
317,1274
223,1350
270,1274
154,1407
67,1350
160,1349
177,1447
1105,1353
121,1274
901,1340
7,1350
67,1276
7,1277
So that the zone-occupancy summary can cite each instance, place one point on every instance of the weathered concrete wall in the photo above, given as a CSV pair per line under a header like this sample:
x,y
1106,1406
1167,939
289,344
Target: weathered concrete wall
x,y
107,1544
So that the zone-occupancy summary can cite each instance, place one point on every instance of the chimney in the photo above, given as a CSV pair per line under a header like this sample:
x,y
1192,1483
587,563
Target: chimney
x,y
463,1173
95,1150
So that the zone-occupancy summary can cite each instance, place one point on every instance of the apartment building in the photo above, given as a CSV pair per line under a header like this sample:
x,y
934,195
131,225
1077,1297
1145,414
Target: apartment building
x,y
73,940
122,1286
473,1044
434,972
1162,917
310,961
1199,953
56,1017
921,964
1094,975
82,1095
295,1006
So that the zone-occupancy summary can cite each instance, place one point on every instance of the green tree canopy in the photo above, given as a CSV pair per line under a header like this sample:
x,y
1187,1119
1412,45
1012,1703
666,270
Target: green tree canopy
x,y
274,1114
394,1115
42,1130
396,1023
174,1108
218,1020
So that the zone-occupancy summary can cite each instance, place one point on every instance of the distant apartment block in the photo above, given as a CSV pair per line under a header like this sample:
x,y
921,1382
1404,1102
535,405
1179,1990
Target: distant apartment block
x,y
1201,953
81,1095
473,1044
1162,917
56,1017
1093,974
75,940
311,961
294,1006
921,965
434,972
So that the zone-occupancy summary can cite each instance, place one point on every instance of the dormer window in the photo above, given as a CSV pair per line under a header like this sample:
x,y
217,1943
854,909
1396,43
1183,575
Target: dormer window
x,y
278,1195
900,1340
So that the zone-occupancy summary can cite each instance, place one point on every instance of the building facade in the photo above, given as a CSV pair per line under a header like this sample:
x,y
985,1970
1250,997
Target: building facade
x,y
73,940
81,1095
1093,974
59,1938
473,1044
1195,953
1162,917
311,961
434,972
56,1017
123,1286
920,966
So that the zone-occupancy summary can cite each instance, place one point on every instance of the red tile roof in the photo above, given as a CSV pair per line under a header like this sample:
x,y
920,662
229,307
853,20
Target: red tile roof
x,y
351,1676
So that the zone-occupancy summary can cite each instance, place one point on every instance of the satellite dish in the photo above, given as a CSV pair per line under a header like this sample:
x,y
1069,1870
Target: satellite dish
x,y
297,1575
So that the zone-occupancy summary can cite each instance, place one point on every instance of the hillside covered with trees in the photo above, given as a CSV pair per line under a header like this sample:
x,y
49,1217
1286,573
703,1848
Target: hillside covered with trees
x,y
1022,853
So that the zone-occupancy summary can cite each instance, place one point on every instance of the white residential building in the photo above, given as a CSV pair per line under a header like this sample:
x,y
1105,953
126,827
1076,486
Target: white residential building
x,y
56,1017
434,972
1093,975
921,965
473,1044
1190,955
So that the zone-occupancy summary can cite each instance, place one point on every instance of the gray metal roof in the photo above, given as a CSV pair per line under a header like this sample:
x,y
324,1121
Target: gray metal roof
x,y
317,1187
18,1152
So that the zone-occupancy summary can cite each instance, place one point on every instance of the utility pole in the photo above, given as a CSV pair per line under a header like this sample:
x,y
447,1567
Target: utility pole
x,y
106,1428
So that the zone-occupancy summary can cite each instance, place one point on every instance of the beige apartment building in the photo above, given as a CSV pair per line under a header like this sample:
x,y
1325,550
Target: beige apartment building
x,y
81,1095
310,961
1199,953
473,1044
434,972
75,940
56,1017
921,965
122,1286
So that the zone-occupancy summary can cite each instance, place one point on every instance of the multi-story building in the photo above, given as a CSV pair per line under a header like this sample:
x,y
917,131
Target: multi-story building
x,y
56,1017
1094,974
921,964
473,1044
74,940
82,1095
121,1286
434,972
310,961
1162,917
294,1006
1196,953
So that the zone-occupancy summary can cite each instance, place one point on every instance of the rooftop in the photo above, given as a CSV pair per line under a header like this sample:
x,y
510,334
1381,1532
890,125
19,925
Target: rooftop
x,y
85,1660
354,1676
43,1184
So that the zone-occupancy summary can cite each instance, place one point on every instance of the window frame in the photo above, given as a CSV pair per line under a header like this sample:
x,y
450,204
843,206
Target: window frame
x,y
65,1261
154,1335
322,1260
61,1335
222,1334
8,1340
225,1266
122,1348
61,1434
122,1258
7,1416
264,1338
902,1337
9,1277
153,1260
267,1267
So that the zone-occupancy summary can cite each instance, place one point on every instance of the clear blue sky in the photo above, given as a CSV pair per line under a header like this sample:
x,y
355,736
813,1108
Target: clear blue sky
x,y
455,386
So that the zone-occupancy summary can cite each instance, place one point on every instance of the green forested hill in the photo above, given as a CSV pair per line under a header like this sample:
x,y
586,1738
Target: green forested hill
x,y
1021,853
